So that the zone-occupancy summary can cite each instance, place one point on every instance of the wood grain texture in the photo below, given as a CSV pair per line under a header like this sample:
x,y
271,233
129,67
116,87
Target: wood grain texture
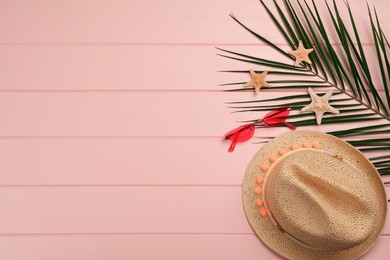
x,y
121,161
121,67
134,210
111,125
140,247
135,114
122,210
124,161
136,21
139,67
146,247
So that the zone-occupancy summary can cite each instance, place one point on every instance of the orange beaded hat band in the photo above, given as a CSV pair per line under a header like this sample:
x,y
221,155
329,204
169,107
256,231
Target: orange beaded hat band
x,y
309,195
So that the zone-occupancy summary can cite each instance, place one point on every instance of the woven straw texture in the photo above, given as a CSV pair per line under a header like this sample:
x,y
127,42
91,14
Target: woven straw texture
x,y
336,207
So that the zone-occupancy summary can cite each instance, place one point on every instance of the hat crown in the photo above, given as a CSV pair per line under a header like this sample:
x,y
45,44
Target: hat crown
x,y
319,200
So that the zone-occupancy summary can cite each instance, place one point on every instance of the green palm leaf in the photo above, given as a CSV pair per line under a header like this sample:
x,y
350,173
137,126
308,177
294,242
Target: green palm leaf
x,y
346,70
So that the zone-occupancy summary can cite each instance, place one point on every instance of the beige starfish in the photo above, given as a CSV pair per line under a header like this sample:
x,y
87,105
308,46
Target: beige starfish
x,y
301,54
320,105
258,80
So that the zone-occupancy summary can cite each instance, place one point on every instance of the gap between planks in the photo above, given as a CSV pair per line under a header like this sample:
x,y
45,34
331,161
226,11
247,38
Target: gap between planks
x,y
155,90
118,185
157,44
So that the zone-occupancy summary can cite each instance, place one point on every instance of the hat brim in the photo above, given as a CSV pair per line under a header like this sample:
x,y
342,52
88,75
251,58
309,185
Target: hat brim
x,y
271,235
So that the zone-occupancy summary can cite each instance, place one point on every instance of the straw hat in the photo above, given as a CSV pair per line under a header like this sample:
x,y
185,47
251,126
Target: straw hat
x,y
309,195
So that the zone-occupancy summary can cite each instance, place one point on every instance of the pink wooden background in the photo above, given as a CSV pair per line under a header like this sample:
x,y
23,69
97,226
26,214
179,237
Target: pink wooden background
x,y
111,120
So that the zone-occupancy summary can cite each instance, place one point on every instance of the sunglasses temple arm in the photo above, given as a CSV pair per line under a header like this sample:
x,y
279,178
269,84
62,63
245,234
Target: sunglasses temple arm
x,y
292,127
233,144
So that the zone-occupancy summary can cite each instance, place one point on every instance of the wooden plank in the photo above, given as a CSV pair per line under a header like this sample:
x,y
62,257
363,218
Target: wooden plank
x,y
86,68
124,161
105,21
57,136
147,209
140,247
146,247
171,114
122,210
123,21
122,68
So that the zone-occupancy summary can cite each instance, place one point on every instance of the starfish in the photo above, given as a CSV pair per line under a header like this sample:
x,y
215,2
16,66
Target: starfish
x,y
258,80
320,105
301,54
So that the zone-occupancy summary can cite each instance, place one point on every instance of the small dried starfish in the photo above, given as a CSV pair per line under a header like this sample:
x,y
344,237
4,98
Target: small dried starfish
x,y
320,105
301,54
258,80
